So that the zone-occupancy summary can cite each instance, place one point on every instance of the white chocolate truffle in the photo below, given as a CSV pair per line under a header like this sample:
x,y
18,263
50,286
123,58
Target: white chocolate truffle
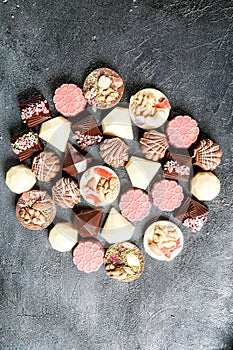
x,y
63,237
205,186
20,178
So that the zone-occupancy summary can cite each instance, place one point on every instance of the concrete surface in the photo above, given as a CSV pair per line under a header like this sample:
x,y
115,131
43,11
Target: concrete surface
x,y
184,49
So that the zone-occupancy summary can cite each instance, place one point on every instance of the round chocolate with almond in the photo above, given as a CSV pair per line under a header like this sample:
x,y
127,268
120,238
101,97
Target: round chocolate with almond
x,y
124,262
35,210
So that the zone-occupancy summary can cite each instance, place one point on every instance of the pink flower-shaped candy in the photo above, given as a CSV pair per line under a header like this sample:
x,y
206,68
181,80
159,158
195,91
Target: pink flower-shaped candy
x,y
69,100
167,195
135,204
88,255
182,131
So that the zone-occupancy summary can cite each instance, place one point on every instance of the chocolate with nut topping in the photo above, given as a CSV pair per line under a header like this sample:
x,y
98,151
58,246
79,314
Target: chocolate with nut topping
x,y
86,132
124,262
35,111
177,166
35,210
25,144
103,88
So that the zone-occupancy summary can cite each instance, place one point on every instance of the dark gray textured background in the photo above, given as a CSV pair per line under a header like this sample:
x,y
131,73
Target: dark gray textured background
x,y
182,48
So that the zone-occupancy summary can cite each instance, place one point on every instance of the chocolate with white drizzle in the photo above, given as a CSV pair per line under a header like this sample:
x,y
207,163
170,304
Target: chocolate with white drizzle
x,y
46,166
114,152
66,193
153,145
207,155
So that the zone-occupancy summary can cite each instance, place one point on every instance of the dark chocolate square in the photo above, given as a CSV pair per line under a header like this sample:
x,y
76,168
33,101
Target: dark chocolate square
x,y
26,144
35,111
177,166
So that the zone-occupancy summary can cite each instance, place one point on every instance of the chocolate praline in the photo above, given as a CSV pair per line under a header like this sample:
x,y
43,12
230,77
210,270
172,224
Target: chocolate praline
x,y
177,166
192,214
65,193
74,162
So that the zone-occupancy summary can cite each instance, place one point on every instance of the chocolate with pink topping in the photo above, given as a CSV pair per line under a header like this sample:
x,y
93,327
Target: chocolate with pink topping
x,y
35,111
182,131
86,132
193,214
195,224
25,144
135,204
177,166
167,195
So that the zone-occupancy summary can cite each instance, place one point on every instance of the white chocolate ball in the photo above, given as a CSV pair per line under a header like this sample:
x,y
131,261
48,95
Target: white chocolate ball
x,y
205,186
20,178
63,237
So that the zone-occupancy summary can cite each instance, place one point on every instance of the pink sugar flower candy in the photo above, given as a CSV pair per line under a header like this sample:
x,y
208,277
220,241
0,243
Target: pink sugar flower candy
x,y
182,131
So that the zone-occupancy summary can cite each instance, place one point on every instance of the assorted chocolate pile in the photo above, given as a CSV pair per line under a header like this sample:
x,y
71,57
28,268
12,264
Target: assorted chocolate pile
x,y
174,151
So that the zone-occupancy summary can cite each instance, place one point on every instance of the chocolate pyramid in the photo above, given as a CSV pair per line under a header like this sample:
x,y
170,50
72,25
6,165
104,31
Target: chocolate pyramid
x,y
74,162
86,132
191,209
87,222
192,214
